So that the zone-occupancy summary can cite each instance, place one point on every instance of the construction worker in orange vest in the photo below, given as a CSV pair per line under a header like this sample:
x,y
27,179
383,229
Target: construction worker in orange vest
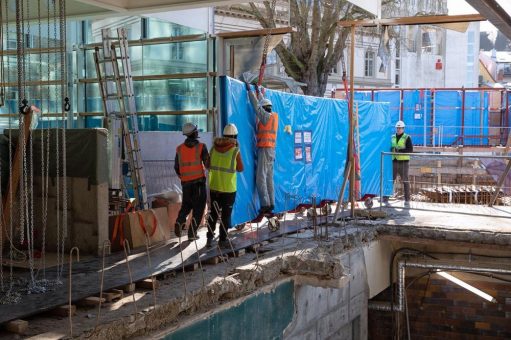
x,y
191,158
267,127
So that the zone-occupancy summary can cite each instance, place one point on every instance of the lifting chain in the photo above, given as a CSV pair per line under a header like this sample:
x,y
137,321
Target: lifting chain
x,y
11,252
66,107
267,42
22,106
271,24
28,166
60,251
2,73
45,170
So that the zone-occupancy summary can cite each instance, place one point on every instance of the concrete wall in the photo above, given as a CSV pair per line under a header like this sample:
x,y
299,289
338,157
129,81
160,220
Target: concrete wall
x,y
332,313
271,312
87,214
262,315
462,67
377,257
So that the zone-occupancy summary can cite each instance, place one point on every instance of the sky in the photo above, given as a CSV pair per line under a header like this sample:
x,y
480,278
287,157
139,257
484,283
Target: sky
x,y
457,7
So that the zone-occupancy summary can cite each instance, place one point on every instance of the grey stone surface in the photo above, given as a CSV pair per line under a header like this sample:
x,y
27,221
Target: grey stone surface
x,y
329,312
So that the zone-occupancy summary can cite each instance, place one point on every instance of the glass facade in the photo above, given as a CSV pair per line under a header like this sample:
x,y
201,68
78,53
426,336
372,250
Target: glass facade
x,y
169,78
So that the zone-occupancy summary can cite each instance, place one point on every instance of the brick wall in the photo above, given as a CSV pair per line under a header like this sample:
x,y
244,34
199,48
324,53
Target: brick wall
x,y
440,309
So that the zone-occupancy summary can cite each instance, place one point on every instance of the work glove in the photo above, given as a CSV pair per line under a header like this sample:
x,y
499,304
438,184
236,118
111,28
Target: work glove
x,y
247,86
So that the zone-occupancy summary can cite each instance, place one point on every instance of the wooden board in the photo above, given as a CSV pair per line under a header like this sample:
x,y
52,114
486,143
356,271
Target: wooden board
x,y
50,261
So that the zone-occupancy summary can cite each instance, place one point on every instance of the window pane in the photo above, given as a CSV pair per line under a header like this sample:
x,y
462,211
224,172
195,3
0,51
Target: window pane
x,y
158,95
171,94
171,123
132,24
181,57
159,28
46,98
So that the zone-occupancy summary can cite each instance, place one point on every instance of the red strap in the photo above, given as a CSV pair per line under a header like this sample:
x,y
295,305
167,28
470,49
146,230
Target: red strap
x,y
119,224
119,227
142,224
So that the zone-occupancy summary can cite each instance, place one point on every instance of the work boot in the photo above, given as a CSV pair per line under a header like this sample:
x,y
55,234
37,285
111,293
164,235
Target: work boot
x,y
177,229
224,244
264,209
210,242
192,234
193,238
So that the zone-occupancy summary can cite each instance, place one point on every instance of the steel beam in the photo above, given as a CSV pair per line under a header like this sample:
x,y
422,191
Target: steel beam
x,y
417,20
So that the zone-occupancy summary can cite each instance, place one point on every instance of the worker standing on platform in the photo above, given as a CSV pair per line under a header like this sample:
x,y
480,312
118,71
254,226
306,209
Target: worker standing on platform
x,y
267,127
225,161
191,158
401,143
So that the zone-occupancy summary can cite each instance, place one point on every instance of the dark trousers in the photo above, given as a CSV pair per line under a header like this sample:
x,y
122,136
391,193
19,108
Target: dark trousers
x,y
401,168
223,201
194,199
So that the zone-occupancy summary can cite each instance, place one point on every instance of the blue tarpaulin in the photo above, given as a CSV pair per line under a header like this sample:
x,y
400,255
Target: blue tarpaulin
x,y
297,175
441,124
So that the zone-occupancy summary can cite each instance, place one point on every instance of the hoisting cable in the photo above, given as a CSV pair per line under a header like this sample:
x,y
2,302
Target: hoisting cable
x,y
262,68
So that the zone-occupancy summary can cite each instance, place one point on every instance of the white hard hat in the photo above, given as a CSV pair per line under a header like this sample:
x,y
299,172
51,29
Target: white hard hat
x,y
400,124
189,128
266,102
230,130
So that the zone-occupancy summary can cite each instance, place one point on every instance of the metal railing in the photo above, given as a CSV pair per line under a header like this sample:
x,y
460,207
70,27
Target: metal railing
x,y
160,177
457,135
470,178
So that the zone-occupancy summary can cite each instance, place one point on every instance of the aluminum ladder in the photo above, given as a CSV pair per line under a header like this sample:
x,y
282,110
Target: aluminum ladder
x,y
120,111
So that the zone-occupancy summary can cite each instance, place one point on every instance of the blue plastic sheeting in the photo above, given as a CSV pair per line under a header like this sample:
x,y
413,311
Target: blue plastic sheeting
x,y
447,117
476,118
391,97
413,115
296,181
441,124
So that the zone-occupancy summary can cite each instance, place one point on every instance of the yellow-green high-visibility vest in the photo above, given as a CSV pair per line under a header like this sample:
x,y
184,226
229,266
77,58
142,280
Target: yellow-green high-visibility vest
x,y
222,170
400,145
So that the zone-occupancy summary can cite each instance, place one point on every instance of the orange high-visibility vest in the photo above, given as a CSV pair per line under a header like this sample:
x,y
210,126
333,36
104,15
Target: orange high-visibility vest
x,y
190,163
267,133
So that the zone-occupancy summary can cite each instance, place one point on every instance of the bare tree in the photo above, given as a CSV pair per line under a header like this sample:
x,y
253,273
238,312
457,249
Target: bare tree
x,y
318,42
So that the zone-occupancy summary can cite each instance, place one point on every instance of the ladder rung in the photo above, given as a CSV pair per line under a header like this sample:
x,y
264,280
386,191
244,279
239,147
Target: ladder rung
x,y
110,79
109,60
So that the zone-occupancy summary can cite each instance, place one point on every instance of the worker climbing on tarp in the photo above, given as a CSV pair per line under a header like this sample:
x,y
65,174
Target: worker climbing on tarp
x,y
225,161
267,127
191,158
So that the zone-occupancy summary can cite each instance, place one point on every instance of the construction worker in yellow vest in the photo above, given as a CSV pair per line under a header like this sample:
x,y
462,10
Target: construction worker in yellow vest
x,y
401,143
190,161
224,163
267,127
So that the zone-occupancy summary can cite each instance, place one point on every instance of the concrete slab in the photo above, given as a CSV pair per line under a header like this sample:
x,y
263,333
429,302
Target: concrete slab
x,y
451,216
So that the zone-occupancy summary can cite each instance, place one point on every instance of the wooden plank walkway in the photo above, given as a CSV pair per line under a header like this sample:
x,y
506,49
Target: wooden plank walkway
x,y
164,258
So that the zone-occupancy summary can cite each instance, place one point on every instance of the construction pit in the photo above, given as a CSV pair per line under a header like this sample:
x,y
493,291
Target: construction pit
x,y
308,280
